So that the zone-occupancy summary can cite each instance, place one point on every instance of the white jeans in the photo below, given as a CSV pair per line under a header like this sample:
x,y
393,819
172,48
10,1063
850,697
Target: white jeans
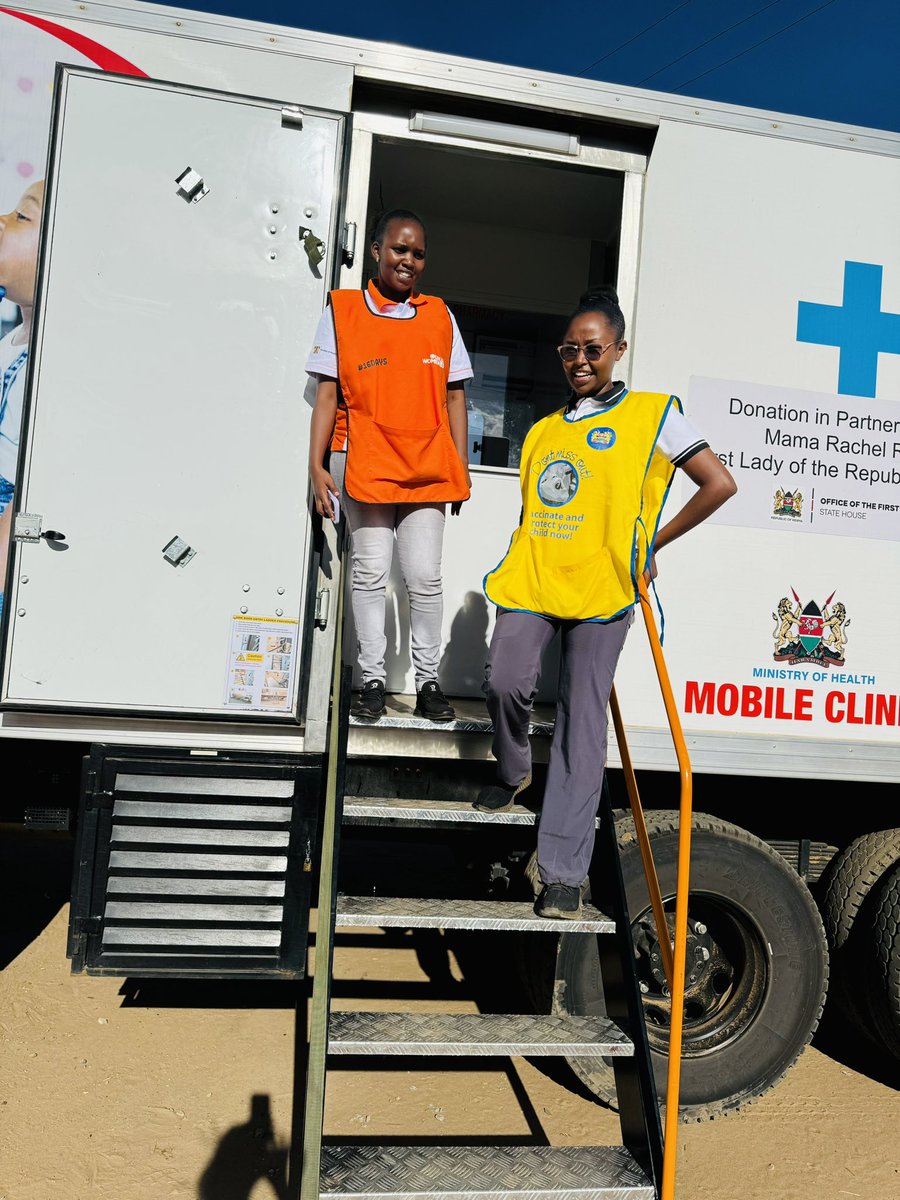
x,y
419,530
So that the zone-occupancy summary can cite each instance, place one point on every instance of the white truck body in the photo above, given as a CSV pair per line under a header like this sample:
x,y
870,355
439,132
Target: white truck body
x,y
729,232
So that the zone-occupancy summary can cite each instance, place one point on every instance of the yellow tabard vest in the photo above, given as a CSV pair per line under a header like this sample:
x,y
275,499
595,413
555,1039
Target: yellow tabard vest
x,y
592,492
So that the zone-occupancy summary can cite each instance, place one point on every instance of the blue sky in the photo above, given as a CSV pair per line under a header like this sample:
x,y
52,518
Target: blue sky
x,y
834,59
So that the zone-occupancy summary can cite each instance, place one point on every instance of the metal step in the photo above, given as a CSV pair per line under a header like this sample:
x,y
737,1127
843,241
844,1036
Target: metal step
x,y
386,912
460,1034
385,810
482,1173
471,717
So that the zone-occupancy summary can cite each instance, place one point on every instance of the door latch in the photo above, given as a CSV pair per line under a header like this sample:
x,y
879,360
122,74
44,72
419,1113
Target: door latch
x,y
27,528
190,186
177,552
314,246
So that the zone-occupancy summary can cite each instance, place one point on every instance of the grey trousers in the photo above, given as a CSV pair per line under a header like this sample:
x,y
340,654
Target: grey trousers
x,y
419,532
590,652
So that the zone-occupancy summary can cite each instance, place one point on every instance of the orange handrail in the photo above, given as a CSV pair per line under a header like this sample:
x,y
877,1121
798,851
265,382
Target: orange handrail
x,y
640,826
673,962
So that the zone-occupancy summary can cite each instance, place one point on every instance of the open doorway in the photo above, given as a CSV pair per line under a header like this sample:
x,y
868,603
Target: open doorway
x,y
512,244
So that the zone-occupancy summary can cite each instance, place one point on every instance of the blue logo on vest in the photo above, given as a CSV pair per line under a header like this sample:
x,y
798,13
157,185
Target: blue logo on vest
x,y
601,437
558,483
858,327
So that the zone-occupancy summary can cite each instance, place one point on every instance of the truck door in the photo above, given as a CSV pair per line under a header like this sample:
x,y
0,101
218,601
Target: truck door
x,y
161,554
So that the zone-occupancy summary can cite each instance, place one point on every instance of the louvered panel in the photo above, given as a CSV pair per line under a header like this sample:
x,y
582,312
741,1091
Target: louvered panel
x,y
198,869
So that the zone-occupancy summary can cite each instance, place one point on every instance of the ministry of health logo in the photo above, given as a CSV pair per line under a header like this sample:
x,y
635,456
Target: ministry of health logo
x,y
810,634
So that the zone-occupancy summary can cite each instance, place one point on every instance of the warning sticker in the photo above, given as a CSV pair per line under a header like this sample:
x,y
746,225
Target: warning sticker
x,y
260,674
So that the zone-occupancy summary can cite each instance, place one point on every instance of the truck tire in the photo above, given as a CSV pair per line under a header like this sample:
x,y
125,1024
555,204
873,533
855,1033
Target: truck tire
x,y
849,881
757,953
883,976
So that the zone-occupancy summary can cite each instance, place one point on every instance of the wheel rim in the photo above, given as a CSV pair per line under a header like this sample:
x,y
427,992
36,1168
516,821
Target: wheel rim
x,y
726,975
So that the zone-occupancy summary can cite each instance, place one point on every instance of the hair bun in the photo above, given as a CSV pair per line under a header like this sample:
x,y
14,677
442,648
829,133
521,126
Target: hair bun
x,y
603,293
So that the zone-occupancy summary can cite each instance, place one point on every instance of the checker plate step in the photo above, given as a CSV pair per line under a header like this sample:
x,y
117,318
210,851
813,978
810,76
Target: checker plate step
x,y
386,912
378,810
474,1033
482,1173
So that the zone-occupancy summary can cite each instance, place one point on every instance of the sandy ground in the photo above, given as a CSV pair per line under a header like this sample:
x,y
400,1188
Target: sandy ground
x,y
149,1092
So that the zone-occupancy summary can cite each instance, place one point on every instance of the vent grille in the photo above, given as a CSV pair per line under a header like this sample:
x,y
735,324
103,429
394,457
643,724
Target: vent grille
x,y
199,874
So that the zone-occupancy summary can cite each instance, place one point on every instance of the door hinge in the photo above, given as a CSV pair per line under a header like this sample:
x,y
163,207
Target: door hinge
x,y
323,604
348,244
291,117
87,926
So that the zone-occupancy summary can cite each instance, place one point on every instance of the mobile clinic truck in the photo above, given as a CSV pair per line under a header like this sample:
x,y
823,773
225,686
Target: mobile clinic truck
x,y
167,592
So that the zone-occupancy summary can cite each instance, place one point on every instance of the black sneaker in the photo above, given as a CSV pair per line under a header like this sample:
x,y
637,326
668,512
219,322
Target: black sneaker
x,y
432,704
560,901
370,702
498,797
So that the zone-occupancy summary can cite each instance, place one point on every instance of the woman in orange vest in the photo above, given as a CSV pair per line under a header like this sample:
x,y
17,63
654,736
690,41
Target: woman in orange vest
x,y
594,478
391,412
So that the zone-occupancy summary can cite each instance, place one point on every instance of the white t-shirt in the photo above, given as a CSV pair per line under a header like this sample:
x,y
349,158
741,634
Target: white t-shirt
x,y
678,439
322,358
13,361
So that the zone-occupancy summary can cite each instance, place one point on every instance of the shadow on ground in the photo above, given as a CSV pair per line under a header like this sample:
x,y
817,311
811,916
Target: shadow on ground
x,y
35,882
852,1049
246,1154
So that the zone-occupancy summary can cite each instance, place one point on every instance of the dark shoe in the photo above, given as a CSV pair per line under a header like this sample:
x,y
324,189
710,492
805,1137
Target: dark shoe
x,y
498,797
370,702
432,704
560,902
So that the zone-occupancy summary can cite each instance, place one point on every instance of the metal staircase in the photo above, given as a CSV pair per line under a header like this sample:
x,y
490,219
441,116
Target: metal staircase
x,y
450,1171
637,1168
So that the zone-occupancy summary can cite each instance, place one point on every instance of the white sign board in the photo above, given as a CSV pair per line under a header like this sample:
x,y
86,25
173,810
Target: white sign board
x,y
830,464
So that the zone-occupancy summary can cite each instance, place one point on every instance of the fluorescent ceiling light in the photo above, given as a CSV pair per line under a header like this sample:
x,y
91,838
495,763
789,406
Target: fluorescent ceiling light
x,y
494,131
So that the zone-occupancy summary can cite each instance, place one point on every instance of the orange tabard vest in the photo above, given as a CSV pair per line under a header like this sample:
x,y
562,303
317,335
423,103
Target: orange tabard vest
x,y
393,376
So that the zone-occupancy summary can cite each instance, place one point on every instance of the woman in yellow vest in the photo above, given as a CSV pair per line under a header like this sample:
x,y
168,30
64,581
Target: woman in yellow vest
x,y
391,409
594,478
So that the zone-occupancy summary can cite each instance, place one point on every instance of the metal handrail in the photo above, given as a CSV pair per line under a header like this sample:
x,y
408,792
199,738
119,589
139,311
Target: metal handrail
x,y
673,960
320,1003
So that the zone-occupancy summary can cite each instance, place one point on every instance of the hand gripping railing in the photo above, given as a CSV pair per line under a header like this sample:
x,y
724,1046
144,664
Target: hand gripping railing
x,y
673,962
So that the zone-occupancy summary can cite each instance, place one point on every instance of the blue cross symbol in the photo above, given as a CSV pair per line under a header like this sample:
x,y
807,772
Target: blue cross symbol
x,y
858,327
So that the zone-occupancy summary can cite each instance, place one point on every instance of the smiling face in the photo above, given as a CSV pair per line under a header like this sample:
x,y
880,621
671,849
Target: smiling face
x,y
588,378
19,234
400,258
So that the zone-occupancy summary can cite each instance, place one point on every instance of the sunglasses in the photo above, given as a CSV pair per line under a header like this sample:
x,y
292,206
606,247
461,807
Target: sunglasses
x,y
592,352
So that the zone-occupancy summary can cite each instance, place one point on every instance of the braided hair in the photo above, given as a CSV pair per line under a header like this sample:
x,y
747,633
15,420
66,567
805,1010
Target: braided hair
x,y
603,299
